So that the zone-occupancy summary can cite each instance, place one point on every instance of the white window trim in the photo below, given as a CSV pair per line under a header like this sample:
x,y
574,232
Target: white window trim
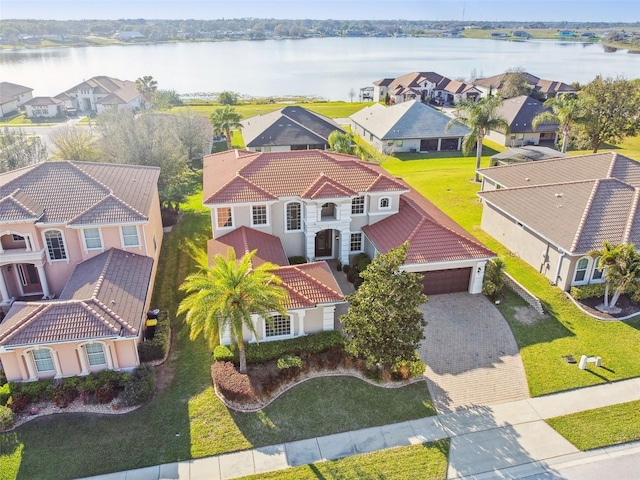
x,y
64,244
364,206
84,240
286,216
104,354
380,207
233,218
361,242
587,272
267,214
277,337
139,245
52,354
602,278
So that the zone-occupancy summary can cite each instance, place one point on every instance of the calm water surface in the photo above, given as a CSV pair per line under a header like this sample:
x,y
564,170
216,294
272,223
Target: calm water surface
x,y
325,67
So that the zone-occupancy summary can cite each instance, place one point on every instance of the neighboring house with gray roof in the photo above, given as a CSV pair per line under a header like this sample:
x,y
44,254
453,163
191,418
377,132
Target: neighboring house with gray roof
x,y
12,97
57,216
44,107
545,88
290,128
102,92
407,127
552,213
519,113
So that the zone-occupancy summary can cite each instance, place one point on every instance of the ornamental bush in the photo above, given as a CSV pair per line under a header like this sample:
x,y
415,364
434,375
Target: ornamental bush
x,y
222,353
289,361
233,385
156,348
588,291
140,386
309,344
5,393
7,418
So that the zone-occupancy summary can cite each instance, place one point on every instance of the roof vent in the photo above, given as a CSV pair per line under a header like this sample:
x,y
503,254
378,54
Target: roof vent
x,y
527,179
558,195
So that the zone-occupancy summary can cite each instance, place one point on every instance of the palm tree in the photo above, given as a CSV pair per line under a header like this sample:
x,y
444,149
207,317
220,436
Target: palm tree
x,y
481,117
223,297
621,265
223,121
566,110
146,86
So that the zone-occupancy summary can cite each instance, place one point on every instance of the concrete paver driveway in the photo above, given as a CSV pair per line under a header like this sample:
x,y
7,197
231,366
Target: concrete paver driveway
x,y
471,355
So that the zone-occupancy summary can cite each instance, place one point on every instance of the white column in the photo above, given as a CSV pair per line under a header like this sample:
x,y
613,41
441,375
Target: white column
x,y
56,364
477,275
43,281
310,237
107,356
31,368
301,314
114,356
459,143
82,356
439,143
345,245
3,288
254,320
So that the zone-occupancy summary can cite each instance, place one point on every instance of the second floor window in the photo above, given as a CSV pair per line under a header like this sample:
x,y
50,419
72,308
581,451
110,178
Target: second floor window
x,y
92,238
225,218
55,245
130,236
357,206
294,216
385,202
356,242
259,215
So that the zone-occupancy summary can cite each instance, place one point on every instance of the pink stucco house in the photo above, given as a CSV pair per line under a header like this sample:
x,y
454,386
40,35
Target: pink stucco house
x,y
79,244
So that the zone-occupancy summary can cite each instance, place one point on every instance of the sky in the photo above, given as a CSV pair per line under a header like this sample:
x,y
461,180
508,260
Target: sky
x,y
465,10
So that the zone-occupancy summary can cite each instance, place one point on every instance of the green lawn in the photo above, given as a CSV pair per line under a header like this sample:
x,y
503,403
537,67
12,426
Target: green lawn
x,y
328,109
426,461
185,419
567,331
600,427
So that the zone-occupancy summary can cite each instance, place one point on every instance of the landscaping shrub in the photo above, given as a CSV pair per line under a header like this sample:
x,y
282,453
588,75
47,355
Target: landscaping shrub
x,y
289,361
65,394
18,402
5,393
405,370
588,291
139,386
156,348
297,260
223,353
7,417
309,344
352,274
38,391
3,378
232,384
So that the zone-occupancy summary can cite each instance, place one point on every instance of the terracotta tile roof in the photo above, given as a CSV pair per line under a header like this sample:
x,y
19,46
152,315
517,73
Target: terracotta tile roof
x,y
324,187
108,210
104,297
569,169
240,190
432,236
244,240
291,173
309,284
43,101
63,191
19,206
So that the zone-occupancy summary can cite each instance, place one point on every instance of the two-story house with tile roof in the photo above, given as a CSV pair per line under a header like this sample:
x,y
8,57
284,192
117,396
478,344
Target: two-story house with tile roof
x,y
322,205
102,92
87,235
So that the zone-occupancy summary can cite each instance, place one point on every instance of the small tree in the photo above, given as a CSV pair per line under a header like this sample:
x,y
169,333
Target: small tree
x,y
352,93
223,121
493,282
514,84
75,144
17,149
228,98
621,266
383,323
146,87
566,110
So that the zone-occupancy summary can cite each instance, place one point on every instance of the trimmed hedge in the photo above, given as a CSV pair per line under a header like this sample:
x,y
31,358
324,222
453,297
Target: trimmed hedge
x,y
222,353
309,344
588,291
233,385
156,348
139,386
289,361
297,260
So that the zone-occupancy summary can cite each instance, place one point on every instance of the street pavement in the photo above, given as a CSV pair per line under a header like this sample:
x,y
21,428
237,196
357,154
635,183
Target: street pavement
x,y
508,440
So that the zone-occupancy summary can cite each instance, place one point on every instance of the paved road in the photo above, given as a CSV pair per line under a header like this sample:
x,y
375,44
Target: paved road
x,y
45,132
471,355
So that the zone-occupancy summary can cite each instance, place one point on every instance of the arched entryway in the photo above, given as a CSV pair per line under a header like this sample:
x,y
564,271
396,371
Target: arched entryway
x,y
324,244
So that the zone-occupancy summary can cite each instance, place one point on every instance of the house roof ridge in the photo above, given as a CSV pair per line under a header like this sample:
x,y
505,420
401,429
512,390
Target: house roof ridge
x,y
632,215
612,165
585,214
547,185
91,177
238,177
103,273
97,315
110,196
13,197
111,313
301,268
18,327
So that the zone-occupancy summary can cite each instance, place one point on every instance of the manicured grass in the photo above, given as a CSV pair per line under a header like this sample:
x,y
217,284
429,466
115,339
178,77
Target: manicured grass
x,y
600,427
567,331
328,109
185,419
427,461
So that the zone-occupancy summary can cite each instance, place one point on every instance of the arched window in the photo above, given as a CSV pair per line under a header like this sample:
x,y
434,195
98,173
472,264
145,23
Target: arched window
x,y
385,203
294,216
581,270
55,245
597,274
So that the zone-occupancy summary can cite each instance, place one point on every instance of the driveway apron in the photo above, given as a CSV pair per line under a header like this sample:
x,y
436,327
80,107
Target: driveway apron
x,y
471,355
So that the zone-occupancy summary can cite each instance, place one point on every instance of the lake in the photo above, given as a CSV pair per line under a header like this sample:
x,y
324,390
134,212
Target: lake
x,y
324,67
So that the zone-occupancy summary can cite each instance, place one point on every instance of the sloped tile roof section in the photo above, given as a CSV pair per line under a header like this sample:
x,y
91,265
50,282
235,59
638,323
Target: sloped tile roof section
x,y
288,126
12,90
324,187
520,111
309,284
63,191
432,236
125,94
104,297
240,190
283,174
244,240
406,120
19,206
107,211
570,169
42,101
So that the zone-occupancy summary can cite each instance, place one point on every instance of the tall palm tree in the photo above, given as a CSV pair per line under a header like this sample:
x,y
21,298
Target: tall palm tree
x,y
621,265
223,121
225,295
566,110
481,117
146,86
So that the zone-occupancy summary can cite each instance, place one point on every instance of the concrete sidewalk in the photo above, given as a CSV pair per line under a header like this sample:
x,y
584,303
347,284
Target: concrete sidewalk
x,y
509,440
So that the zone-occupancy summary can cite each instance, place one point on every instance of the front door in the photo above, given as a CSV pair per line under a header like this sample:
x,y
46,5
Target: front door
x,y
29,279
324,241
